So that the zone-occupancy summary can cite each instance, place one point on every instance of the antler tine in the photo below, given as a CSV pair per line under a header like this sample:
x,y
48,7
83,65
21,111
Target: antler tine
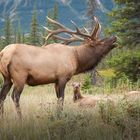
x,y
52,32
55,22
68,40
75,35
97,29
70,31
86,30
65,29
47,29
61,30
78,31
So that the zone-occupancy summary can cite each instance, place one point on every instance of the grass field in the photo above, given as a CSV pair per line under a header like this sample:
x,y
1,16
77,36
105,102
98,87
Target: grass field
x,y
42,121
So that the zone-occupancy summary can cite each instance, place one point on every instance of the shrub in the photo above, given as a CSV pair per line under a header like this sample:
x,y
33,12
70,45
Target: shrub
x,y
126,64
87,82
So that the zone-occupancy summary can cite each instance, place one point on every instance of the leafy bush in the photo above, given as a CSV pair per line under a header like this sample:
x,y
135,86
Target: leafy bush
x,y
87,82
126,64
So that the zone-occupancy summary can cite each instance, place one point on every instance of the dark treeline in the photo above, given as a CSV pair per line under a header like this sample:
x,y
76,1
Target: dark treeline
x,y
125,23
13,32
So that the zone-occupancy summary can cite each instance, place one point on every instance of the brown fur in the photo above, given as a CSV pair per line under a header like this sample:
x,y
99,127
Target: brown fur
x,y
132,95
81,100
22,64
90,101
76,90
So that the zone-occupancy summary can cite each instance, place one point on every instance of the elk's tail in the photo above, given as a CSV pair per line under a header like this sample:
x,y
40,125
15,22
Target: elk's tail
x,y
5,59
4,62
3,68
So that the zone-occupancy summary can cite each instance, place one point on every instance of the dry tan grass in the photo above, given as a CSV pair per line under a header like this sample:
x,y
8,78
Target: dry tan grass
x,y
35,100
41,120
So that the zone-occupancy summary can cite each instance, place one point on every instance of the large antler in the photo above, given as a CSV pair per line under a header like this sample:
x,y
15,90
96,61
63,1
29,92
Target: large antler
x,y
62,29
77,35
96,30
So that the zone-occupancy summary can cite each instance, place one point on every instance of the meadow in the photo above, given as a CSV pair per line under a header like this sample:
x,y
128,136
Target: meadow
x,y
42,121
21,22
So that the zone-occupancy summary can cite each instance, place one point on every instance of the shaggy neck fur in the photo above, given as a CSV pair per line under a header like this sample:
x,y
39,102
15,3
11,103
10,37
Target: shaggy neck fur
x,y
87,58
77,95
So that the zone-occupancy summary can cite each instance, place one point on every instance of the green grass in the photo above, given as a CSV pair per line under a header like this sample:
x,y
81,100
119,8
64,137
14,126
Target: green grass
x,y
42,121
107,73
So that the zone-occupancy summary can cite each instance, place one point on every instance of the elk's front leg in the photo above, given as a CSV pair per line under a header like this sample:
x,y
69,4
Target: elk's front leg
x,y
61,89
57,90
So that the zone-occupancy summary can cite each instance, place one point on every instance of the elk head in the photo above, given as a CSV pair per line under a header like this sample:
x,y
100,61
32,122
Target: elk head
x,y
91,51
76,89
76,86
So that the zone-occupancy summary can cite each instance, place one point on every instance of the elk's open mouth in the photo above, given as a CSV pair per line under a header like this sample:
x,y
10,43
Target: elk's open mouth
x,y
114,42
113,39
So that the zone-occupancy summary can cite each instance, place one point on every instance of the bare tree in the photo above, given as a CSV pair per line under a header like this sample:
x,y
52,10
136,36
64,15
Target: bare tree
x,y
91,8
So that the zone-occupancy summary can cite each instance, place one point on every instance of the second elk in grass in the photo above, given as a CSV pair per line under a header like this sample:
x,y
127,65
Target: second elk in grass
x,y
88,101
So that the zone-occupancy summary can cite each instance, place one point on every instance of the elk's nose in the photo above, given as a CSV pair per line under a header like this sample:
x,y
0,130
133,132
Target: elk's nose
x,y
76,87
114,39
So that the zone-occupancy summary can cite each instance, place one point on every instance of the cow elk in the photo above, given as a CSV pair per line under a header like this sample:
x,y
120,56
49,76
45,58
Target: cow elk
x,y
76,92
88,101
56,63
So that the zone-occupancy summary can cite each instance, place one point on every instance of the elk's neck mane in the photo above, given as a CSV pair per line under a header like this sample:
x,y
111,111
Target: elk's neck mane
x,y
87,58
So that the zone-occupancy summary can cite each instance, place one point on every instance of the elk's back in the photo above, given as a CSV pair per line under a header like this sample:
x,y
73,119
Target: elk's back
x,y
40,65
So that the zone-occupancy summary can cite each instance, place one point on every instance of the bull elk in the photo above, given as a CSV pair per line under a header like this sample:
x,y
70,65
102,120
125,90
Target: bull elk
x,y
56,63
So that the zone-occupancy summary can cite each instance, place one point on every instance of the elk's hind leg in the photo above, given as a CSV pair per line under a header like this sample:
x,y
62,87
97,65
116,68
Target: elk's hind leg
x,y
16,98
4,91
19,80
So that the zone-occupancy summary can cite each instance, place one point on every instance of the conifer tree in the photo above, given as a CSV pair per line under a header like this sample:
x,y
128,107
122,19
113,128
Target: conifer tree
x,y
55,11
7,31
91,7
54,15
126,21
34,29
19,33
23,38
